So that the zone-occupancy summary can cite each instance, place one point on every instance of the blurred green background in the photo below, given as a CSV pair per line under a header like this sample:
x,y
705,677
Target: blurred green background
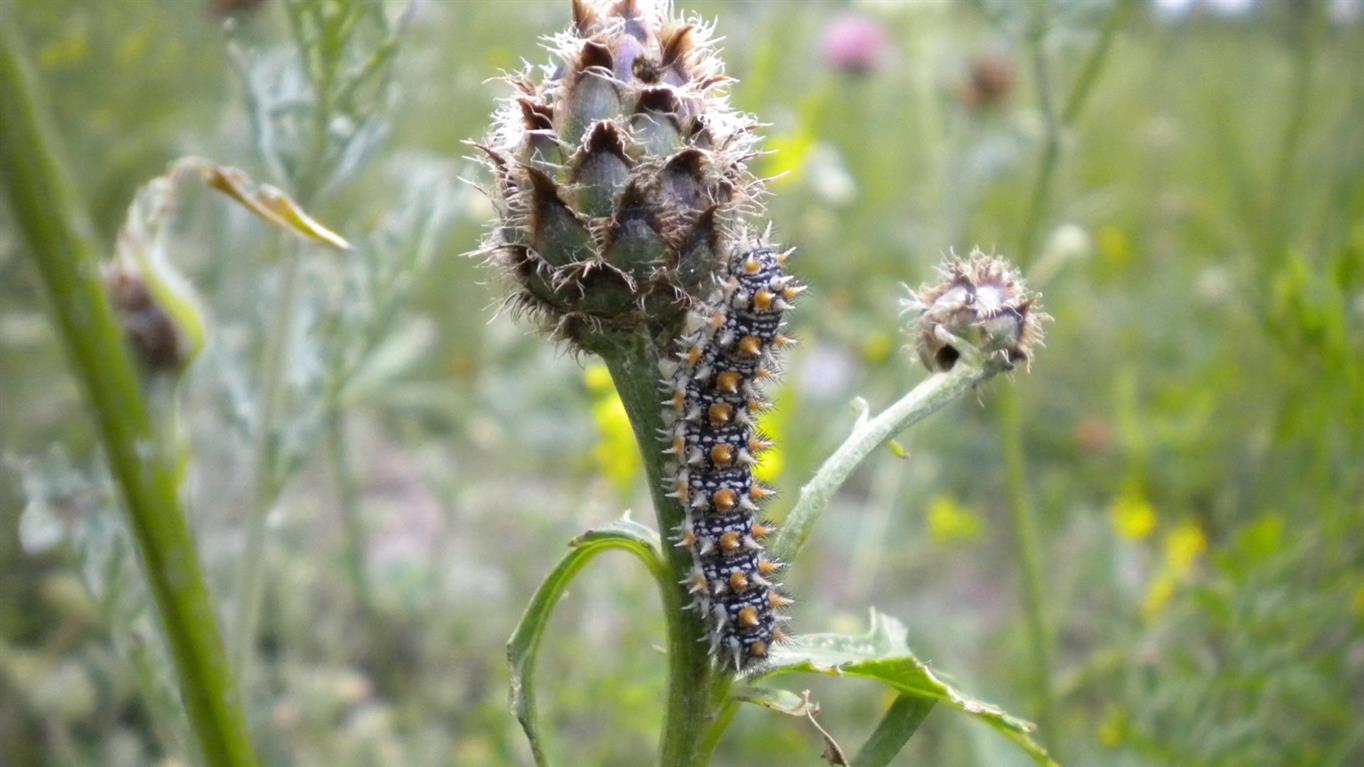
x,y
1193,434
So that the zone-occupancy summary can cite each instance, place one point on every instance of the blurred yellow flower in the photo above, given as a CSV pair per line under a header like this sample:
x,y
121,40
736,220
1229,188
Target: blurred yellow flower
x,y
615,454
1113,728
1158,594
597,378
787,156
878,347
948,522
1115,249
1133,517
773,425
1357,602
1183,546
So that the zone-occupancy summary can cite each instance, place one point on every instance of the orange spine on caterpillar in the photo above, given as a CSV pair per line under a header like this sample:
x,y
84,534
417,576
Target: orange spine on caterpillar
x,y
727,355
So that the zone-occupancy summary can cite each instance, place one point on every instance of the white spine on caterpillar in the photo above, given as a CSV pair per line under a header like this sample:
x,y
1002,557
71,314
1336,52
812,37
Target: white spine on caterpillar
x,y
713,394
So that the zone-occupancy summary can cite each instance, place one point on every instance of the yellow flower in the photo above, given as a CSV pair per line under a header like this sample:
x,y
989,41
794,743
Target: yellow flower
x,y
615,454
1183,546
1158,594
878,348
1114,728
787,155
948,522
1133,517
773,425
1115,249
597,378
1357,602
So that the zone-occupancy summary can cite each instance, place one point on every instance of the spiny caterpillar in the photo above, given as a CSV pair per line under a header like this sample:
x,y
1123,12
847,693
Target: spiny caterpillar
x,y
726,354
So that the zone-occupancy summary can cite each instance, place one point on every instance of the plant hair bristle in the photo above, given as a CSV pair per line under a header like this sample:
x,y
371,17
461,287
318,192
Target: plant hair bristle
x,y
713,390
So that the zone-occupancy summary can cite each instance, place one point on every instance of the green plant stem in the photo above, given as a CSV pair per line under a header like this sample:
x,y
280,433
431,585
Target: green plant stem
x,y
348,499
1021,513
868,435
1027,553
899,724
252,566
59,239
1282,211
692,687
1056,125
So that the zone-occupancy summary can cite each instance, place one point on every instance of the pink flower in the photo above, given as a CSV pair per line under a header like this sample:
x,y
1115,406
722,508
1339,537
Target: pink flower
x,y
854,44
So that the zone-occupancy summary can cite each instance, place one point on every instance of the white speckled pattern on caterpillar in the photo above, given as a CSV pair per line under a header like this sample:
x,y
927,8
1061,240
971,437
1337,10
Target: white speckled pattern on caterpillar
x,y
726,355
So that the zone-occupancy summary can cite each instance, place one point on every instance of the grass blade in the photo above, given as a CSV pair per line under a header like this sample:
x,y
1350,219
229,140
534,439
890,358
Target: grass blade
x,y
899,724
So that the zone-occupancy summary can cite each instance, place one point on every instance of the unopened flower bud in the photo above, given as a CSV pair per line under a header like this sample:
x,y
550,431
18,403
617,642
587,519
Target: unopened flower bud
x,y
979,309
164,330
989,83
620,177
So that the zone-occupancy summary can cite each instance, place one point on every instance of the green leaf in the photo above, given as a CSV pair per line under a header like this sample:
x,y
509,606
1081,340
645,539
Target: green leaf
x,y
883,654
624,534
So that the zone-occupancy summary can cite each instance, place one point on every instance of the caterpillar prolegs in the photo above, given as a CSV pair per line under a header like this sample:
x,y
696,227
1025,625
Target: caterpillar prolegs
x,y
726,356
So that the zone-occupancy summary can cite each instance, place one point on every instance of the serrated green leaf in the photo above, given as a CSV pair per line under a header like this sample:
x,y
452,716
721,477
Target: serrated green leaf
x,y
624,534
884,655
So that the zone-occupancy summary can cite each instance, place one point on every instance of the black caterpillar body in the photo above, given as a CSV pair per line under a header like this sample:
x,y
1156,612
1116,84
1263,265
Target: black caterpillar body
x,y
714,394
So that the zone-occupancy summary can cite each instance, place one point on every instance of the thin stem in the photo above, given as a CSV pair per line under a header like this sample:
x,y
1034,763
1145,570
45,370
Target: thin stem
x,y
1300,99
348,499
1056,125
58,236
252,566
692,687
1021,514
1022,519
868,435
1094,63
1051,141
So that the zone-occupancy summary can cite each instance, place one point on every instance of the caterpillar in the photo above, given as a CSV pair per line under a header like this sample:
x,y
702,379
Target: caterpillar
x,y
726,356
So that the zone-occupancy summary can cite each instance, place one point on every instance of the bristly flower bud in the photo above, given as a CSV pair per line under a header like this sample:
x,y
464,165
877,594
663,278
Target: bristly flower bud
x,y
619,176
980,303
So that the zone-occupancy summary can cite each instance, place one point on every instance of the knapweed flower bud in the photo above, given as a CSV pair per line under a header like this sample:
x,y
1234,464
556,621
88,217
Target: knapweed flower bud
x,y
165,337
989,82
980,303
619,175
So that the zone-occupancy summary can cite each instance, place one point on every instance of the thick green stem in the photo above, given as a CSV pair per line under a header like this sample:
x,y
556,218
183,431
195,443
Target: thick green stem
x,y
691,684
899,724
63,251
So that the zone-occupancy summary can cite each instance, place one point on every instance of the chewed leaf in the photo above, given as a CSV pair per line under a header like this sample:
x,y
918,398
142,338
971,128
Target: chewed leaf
x,y
883,654
777,699
800,706
624,534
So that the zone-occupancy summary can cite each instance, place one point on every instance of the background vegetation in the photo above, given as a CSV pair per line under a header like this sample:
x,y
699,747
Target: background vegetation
x,y
1190,440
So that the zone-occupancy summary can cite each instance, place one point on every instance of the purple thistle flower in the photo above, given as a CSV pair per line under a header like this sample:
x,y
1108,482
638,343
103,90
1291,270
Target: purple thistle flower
x,y
854,44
